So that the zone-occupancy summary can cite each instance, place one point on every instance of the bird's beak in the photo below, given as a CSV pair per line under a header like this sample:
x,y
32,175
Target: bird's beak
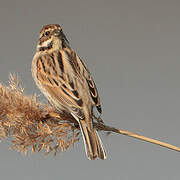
x,y
57,32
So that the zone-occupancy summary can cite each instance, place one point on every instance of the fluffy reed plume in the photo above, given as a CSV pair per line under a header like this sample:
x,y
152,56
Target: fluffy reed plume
x,y
33,126
27,122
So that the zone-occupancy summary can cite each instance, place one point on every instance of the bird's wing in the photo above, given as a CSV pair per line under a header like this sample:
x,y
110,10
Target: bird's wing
x,y
92,86
58,84
80,68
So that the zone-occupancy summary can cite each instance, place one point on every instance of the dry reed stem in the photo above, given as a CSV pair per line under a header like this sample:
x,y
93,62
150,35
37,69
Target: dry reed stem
x,y
34,126
103,127
136,136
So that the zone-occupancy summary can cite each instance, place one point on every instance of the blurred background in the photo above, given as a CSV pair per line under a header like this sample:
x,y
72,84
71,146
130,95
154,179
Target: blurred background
x,y
131,48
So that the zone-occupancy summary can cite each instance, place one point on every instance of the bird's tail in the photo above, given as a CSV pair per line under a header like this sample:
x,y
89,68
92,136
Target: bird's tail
x,y
92,142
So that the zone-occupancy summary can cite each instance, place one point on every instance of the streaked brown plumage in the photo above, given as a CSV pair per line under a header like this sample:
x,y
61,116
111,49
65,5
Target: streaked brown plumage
x,y
65,81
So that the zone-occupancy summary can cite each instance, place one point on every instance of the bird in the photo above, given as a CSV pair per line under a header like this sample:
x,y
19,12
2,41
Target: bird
x,y
65,81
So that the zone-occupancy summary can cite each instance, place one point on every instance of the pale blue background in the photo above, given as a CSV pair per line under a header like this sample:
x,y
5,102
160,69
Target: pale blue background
x,y
132,48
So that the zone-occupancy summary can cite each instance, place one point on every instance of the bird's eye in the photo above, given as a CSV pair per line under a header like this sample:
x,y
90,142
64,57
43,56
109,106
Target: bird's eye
x,y
46,33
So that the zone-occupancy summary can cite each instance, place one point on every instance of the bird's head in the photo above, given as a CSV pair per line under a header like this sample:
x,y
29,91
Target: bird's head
x,y
52,38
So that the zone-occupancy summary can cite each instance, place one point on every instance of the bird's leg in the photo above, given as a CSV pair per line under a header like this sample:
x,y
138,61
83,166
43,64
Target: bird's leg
x,y
98,119
49,114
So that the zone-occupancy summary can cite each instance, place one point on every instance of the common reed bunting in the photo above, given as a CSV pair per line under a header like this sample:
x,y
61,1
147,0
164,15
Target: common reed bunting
x,y
66,82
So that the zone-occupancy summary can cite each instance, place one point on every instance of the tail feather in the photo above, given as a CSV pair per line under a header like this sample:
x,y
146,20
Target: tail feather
x,y
92,142
101,150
